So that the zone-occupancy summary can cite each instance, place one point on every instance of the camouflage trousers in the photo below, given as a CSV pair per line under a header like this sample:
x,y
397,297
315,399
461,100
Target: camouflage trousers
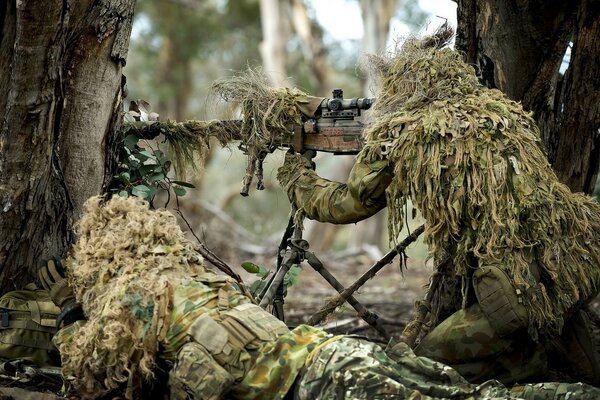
x,y
467,342
355,369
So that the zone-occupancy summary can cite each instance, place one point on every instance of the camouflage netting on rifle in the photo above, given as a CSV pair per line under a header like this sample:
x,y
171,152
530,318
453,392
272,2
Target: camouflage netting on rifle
x,y
267,114
120,270
471,160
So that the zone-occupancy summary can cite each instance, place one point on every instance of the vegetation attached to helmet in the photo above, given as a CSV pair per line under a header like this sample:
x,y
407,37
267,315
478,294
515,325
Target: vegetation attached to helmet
x,y
471,161
122,270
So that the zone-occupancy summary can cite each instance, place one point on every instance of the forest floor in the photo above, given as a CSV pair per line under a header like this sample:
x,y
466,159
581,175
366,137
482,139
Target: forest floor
x,y
391,295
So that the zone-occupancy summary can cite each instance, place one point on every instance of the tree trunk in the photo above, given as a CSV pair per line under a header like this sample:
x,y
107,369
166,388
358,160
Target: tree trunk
x,y
275,35
60,95
313,47
518,47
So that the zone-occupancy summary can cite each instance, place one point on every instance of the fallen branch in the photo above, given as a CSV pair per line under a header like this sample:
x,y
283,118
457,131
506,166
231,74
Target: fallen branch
x,y
383,321
385,260
207,254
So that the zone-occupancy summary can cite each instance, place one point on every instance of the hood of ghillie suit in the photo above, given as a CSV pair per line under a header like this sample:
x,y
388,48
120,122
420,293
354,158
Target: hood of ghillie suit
x,y
123,268
471,161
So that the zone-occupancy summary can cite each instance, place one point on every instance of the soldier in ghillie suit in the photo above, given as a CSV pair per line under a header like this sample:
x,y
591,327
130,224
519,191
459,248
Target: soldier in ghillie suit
x,y
523,249
151,309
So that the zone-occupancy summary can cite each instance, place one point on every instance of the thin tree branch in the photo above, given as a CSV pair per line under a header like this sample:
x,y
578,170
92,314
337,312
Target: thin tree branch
x,y
207,253
385,260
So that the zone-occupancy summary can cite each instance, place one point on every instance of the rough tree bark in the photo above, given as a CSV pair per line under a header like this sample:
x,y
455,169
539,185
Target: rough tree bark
x,y
60,95
518,46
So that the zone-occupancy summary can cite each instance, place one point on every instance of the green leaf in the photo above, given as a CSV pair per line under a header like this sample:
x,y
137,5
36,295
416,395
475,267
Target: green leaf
x,y
179,191
143,191
148,154
258,270
250,267
257,287
160,156
262,272
130,141
291,278
124,193
156,177
147,169
186,184
124,176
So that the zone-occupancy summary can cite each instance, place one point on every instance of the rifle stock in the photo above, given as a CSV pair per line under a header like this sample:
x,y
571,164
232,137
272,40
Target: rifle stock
x,y
337,137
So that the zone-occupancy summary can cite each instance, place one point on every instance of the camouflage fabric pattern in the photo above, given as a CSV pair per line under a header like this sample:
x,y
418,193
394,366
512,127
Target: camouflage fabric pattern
x,y
262,370
329,201
467,342
556,391
278,364
353,369
210,294
196,374
315,364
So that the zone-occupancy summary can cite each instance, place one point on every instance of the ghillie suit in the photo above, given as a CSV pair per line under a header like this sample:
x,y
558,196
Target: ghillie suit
x,y
525,249
472,162
123,270
151,305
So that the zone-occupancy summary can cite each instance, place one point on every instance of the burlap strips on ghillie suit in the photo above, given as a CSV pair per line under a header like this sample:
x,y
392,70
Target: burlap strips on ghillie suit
x,y
266,115
122,271
471,161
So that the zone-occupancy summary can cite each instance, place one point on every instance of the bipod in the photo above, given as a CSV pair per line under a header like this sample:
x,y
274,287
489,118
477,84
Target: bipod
x,y
293,250
368,316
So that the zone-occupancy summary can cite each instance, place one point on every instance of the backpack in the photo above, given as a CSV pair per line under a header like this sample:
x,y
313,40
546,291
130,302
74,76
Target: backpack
x,y
27,325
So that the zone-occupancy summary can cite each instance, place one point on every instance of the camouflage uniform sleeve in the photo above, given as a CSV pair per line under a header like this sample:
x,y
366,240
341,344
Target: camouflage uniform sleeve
x,y
339,203
66,334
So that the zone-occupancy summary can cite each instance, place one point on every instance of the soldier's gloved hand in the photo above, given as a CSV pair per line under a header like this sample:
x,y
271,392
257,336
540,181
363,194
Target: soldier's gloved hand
x,y
52,276
294,166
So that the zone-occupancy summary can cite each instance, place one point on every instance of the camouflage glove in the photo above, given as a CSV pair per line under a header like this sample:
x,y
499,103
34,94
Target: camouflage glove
x,y
52,276
294,166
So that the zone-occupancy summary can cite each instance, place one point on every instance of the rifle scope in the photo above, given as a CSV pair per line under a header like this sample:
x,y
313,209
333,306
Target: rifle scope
x,y
338,103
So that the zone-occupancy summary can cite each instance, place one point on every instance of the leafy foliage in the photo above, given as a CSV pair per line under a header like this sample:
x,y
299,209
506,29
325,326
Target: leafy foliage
x,y
290,279
144,168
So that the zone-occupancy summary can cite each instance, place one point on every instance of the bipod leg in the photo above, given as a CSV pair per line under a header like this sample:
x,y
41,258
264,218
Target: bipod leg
x,y
368,316
273,287
276,285
287,234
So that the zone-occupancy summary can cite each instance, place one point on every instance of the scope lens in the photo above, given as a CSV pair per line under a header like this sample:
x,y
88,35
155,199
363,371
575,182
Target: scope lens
x,y
335,104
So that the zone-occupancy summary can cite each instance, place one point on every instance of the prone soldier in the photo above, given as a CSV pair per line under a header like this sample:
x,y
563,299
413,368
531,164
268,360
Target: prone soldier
x,y
144,306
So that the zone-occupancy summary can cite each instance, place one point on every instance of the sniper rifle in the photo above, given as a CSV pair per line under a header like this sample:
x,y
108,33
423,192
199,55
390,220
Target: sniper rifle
x,y
329,125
